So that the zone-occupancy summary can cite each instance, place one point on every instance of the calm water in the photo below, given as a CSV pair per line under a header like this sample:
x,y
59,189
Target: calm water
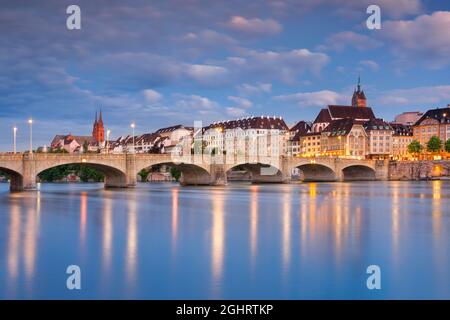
x,y
240,241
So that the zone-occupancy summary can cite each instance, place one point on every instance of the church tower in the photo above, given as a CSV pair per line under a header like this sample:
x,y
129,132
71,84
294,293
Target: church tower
x,y
359,98
98,131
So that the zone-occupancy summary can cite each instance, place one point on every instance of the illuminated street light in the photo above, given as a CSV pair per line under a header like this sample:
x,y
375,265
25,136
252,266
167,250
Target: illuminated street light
x,y
14,139
133,125
30,122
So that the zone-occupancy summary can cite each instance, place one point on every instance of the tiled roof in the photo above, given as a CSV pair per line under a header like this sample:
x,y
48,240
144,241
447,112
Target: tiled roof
x,y
377,124
358,113
252,123
323,117
401,129
341,127
442,115
170,129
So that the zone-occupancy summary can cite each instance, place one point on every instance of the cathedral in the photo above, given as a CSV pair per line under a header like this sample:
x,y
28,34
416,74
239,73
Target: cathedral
x,y
98,131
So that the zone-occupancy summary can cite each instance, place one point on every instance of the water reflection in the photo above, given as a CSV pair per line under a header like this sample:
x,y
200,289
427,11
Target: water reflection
x,y
309,240
132,238
218,240
253,224
107,224
174,219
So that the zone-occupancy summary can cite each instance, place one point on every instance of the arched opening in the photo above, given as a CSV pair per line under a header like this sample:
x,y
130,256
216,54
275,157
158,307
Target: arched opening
x,y
14,178
316,172
84,172
358,173
254,173
186,174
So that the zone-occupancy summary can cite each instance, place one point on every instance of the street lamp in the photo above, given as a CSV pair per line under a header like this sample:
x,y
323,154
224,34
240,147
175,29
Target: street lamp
x,y
108,132
133,125
14,138
30,122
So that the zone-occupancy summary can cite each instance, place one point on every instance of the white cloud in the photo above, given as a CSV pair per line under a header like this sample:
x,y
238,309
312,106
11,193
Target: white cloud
x,y
241,102
254,26
314,99
424,97
236,112
426,38
206,74
349,39
250,89
369,64
284,65
195,103
152,96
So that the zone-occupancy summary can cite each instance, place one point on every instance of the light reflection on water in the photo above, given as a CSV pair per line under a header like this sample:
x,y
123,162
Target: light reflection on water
x,y
310,240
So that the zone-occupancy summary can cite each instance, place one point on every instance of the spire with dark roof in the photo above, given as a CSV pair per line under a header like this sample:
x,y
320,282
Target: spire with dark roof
x,y
359,98
100,120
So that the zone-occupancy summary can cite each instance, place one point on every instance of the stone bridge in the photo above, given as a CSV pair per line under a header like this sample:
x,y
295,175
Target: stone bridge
x,y
121,170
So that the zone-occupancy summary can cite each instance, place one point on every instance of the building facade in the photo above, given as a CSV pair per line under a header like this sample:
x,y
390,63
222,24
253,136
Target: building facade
x,y
435,122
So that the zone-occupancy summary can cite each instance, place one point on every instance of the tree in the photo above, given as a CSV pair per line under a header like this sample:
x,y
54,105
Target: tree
x,y
447,145
415,147
175,173
144,174
434,144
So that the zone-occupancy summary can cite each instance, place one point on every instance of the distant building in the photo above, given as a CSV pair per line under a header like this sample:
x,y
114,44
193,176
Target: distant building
x,y
408,118
344,137
79,144
359,98
250,136
402,136
296,135
379,136
435,122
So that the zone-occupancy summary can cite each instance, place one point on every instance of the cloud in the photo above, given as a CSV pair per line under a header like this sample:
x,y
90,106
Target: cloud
x,y
206,74
241,102
314,99
254,26
152,96
251,89
423,97
349,39
195,103
369,64
286,66
425,38
236,112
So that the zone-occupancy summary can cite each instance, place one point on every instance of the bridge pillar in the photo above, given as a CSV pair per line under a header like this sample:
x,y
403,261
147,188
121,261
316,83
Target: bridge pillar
x,y
131,170
382,169
29,173
218,175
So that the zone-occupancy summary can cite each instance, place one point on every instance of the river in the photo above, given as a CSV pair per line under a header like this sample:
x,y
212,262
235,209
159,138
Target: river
x,y
242,241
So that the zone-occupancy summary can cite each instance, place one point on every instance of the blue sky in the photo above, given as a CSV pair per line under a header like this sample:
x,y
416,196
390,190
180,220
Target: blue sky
x,y
168,62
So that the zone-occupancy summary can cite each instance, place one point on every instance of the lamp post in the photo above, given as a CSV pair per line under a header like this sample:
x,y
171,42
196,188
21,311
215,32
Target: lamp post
x,y
133,125
30,122
108,132
14,139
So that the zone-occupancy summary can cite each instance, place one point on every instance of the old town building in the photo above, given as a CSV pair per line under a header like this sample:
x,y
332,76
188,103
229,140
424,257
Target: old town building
x,y
402,136
379,139
435,122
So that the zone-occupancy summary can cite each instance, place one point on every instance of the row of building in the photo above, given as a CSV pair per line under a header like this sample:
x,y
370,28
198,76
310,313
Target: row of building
x,y
338,131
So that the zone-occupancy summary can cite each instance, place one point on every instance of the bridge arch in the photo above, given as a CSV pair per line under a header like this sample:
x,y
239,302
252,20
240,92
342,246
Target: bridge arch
x,y
15,179
358,172
258,172
316,172
114,177
191,174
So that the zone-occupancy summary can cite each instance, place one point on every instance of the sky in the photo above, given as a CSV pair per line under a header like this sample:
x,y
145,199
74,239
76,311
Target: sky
x,y
162,63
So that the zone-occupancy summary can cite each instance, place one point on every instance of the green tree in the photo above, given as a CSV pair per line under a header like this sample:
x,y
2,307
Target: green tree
x,y
144,174
447,145
434,144
175,173
415,147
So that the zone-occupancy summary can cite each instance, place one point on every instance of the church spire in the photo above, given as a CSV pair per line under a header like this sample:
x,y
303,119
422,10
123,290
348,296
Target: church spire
x,y
101,118
359,82
359,98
